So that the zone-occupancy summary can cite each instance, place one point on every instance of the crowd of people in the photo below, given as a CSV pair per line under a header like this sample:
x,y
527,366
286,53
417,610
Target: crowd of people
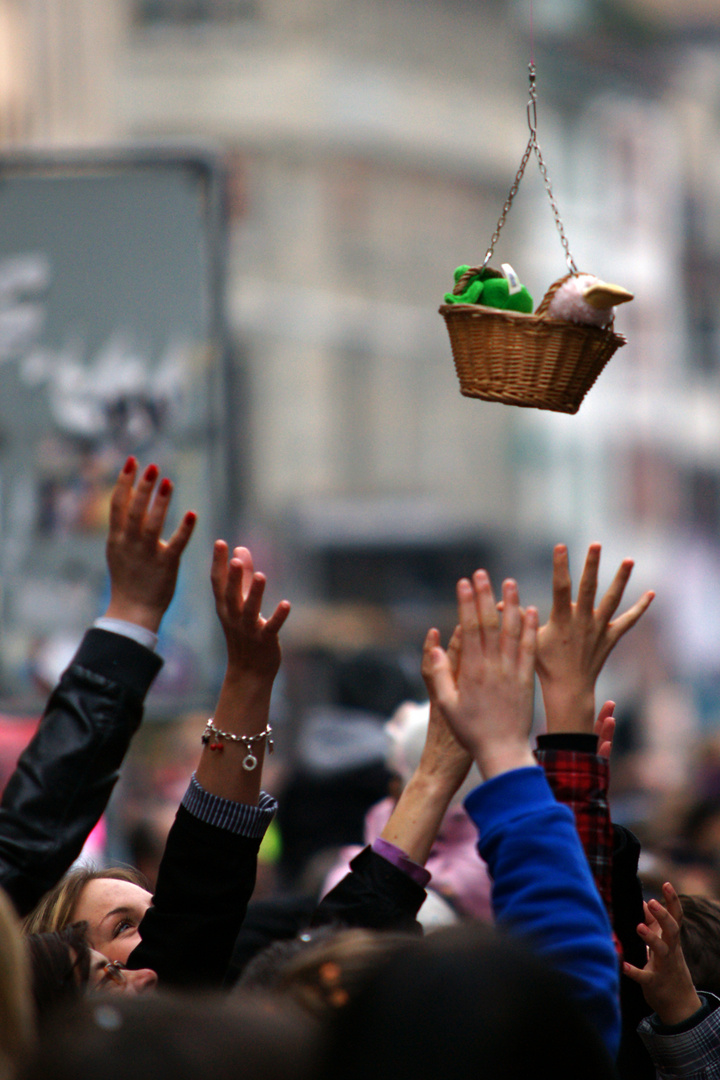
x,y
553,961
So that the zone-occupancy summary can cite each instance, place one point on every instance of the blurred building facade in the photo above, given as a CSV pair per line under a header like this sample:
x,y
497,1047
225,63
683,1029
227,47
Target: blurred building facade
x,y
369,146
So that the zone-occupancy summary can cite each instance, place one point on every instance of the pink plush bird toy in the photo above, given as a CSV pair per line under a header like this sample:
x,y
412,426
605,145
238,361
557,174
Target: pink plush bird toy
x,y
584,298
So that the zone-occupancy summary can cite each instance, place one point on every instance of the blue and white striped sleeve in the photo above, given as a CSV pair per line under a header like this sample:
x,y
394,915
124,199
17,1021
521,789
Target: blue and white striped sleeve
x,y
238,818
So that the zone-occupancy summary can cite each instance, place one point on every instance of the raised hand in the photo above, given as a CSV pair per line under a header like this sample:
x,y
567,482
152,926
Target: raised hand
x,y
252,641
143,567
414,823
442,753
253,649
604,728
578,637
665,980
489,707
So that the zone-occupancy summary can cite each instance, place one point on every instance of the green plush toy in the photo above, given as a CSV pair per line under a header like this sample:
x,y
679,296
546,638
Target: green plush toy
x,y
492,289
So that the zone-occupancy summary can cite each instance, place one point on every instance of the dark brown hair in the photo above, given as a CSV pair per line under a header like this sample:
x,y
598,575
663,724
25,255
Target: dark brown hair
x,y
700,940
464,1001
331,969
59,967
163,1037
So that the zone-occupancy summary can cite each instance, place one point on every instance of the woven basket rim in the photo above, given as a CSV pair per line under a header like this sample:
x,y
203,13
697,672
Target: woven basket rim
x,y
530,318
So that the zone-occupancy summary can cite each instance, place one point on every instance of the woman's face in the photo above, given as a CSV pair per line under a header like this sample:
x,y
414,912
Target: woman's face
x,y
113,910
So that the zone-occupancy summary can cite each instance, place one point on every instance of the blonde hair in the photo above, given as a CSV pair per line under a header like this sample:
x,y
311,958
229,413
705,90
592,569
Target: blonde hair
x,y
16,1010
57,908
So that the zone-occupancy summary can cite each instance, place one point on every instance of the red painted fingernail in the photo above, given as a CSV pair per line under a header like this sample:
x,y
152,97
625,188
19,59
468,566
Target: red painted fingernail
x,y
130,465
165,486
151,473
191,516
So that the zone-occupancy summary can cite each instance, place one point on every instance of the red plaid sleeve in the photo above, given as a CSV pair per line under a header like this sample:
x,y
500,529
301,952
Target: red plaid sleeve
x,y
580,780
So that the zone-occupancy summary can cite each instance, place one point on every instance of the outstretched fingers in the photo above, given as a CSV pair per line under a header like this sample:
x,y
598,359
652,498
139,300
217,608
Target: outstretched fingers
x,y
181,537
660,931
140,501
248,608
561,584
528,645
157,510
440,681
487,613
239,591
658,947
604,728
122,493
277,619
606,711
627,620
454,648
672,903
587,589
611,600
137,517
244,590
432,641
512,619
219,571
243,556
481,631
469,620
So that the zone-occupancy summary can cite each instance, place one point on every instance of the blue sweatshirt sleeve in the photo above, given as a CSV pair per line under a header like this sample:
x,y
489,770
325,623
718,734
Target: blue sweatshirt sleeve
x,y
543,889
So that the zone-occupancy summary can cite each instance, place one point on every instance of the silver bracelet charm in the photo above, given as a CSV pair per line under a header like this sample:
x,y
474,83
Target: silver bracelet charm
x,y
250,760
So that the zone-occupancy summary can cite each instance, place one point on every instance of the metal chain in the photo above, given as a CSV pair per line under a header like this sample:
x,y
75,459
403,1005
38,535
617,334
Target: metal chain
x,y
556,213
508,202
532,145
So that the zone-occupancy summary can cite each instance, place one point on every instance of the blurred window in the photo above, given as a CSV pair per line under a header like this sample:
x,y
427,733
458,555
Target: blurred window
x,y
703,277
401,573
658,491
192,12
704,500
111,334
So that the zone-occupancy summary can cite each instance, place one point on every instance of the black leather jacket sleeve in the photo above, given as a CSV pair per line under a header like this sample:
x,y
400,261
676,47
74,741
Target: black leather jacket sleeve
x,y
65,775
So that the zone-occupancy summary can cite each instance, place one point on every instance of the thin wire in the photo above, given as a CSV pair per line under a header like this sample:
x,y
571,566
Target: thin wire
x,y
532,36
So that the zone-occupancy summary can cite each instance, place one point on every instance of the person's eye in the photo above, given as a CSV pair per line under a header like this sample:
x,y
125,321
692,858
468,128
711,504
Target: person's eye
x,y
123,926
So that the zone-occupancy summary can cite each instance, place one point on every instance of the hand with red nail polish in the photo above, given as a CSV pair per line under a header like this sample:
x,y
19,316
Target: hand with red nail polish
x,y
143,567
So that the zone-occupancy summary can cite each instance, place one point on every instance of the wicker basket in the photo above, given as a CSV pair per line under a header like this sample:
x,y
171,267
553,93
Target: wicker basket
x,y
531,360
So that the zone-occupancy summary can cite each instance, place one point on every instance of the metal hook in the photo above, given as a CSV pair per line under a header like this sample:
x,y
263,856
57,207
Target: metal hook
x,y
532,102
532,116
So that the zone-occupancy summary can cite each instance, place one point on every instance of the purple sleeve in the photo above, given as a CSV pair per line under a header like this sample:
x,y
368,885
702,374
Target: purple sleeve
x,y
397,857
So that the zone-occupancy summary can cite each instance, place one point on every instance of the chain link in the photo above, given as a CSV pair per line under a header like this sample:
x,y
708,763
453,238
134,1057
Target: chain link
x,y
508,202
532,146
